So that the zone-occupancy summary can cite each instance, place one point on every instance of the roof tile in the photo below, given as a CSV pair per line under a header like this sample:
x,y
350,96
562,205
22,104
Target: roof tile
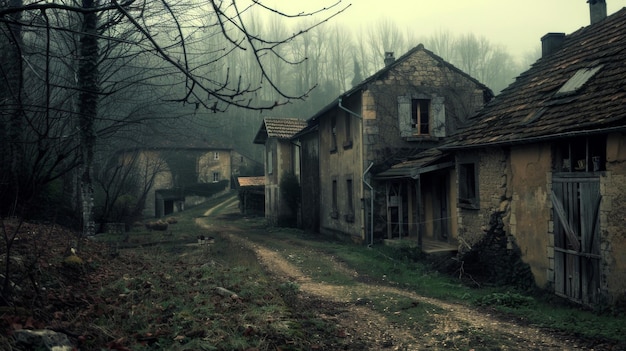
x,y
595,105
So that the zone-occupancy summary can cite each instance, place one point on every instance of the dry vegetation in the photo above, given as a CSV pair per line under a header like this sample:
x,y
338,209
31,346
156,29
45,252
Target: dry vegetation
x,y
255,288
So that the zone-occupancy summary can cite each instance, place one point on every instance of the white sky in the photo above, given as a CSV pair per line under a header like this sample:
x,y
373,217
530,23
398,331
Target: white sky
x,y
516,24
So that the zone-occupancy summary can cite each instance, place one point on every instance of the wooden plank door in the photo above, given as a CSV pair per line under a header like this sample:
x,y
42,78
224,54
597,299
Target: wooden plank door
x,y
576,204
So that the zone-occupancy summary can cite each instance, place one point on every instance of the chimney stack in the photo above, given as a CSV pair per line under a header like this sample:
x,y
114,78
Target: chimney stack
x,y
597,10
551,42
389,58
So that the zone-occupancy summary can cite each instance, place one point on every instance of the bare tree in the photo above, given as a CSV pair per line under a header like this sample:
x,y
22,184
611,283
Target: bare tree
x,y
340,53
384,36
484,61
61,60
165,38
442,43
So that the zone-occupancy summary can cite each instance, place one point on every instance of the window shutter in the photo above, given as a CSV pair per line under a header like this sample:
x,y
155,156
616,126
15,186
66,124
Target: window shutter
x,y
439,117
404,115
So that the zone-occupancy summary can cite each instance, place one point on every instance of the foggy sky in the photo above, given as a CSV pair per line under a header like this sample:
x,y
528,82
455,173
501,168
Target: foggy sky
x,y
516,24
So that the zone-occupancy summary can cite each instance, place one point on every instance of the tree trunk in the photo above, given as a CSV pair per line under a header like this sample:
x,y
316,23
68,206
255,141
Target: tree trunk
x,y
88,108
11,135
11,113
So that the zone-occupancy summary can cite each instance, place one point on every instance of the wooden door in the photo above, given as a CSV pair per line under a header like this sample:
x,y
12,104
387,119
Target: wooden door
x,y
441,212
576,204
394,210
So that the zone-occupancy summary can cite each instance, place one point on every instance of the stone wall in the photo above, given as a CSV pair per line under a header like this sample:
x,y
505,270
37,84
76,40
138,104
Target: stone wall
x,y
613,218
492,194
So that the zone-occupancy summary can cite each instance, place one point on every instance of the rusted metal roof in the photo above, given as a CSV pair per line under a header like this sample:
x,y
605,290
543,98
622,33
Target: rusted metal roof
x,y
280,128
251,181
578,89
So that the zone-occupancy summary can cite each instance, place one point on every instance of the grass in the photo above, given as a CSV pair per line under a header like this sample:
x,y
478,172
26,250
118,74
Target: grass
x,y
390,266
166,299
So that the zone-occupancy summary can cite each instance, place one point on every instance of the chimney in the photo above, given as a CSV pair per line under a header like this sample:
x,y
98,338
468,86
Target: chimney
x,y
551,42
389,58
597,10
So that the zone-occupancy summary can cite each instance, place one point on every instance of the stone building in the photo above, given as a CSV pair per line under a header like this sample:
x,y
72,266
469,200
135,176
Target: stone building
x,y
281,158
411,105
174,178
548,158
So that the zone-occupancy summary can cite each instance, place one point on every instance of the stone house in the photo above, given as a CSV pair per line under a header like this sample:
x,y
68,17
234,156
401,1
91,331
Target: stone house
x,y
548,158
174,178
282,157
412,104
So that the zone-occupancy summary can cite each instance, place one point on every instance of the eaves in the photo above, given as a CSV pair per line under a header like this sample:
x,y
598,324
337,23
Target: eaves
x,y
531,140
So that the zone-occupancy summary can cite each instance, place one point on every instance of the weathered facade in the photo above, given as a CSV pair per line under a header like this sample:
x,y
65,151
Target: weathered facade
x,y
548,156
251,191
409,106
281,158
308,142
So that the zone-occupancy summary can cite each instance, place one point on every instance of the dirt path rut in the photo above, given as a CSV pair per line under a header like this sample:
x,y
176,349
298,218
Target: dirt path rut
x,y
456,325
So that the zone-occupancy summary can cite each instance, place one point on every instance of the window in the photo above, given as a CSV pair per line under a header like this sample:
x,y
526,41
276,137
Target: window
x,y
216,155
333,134
348,125
577,80
216,177
584,154
334,211
349,199
468,186
420,116
270,163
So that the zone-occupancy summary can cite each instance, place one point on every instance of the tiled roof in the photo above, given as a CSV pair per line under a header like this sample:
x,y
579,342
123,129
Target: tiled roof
x,y
385,70
280,128
251,181
537,107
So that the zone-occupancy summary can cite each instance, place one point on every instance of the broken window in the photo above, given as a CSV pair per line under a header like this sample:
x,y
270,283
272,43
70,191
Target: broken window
x,y
420,116
468,187
584,154
577,80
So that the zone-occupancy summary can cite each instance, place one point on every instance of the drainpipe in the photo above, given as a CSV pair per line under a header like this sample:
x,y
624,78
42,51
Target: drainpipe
x,y
371,205
347,110
342,107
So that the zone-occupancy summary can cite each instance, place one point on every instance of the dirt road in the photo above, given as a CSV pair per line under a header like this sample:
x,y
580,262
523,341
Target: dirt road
x,y
455,326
